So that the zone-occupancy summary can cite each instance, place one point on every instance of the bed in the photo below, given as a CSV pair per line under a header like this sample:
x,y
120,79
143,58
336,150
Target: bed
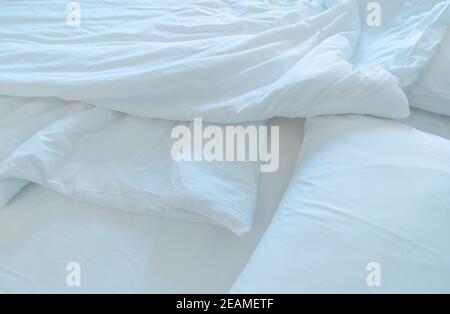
x,y
96,110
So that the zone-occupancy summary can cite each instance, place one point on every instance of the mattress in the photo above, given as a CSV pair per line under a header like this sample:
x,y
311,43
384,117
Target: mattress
x,y
42,232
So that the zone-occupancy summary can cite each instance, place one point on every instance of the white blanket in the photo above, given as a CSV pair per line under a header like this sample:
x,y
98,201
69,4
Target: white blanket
x,y
224,61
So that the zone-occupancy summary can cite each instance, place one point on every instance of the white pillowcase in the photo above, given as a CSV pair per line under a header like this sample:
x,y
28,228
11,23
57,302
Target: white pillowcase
x,y
118,161
432,92
367,193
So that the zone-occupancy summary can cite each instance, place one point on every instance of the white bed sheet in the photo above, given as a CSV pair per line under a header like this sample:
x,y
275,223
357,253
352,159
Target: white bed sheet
x,y
41,232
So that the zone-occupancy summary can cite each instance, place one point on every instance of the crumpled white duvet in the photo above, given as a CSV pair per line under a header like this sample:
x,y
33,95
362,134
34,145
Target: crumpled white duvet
x,y
226,61
80,106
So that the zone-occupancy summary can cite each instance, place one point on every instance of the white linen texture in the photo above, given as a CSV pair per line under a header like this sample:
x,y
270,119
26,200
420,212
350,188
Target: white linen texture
x,y
87,111
227,62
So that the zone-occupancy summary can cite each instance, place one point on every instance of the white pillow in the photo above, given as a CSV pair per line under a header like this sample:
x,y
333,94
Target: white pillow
x,y
119,161
432,92
369,197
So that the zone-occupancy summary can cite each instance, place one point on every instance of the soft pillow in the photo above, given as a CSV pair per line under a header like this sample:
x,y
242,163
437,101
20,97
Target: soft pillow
x,y
432,92
368,205
119,161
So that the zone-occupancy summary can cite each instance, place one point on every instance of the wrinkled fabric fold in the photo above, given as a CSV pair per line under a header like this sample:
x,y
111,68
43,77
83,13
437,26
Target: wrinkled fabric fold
x,y
87,111
228,63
